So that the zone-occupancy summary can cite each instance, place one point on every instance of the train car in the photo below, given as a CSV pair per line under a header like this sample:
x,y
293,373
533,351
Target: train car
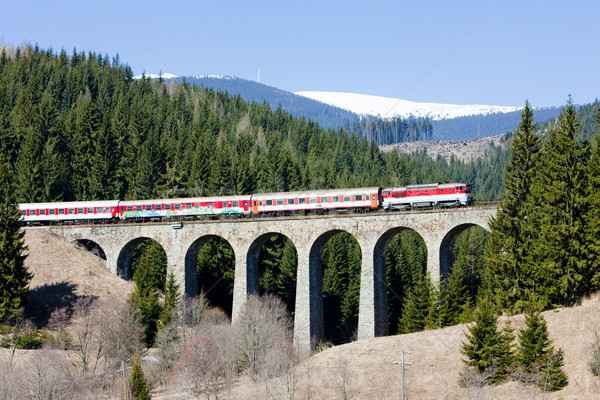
x,y
427,195
187,207
316,200
69,211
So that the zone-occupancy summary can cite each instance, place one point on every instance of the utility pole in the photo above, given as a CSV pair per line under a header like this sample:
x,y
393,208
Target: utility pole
x,y
402,364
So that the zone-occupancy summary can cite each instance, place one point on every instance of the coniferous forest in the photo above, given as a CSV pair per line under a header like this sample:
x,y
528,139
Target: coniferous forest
x,y
79,127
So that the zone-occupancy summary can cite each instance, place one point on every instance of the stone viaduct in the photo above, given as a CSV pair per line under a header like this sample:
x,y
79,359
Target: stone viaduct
x,y
373,231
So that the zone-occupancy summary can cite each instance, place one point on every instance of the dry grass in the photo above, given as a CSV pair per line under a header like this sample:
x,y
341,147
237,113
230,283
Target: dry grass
x,y
366,369
62,272
372,366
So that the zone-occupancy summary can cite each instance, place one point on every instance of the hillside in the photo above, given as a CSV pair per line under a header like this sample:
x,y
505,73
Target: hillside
x,y
368,367
465,150
371,370
62,272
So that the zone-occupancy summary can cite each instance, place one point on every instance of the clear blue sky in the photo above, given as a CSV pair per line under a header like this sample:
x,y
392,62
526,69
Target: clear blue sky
x,y
499,52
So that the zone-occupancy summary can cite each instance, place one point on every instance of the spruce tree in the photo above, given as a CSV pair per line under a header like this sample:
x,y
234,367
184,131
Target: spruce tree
x,y
148,280
171,299
14,277
139,384
216,270
536,355
453,296
487,350
419,307
591,212
559,195
510,260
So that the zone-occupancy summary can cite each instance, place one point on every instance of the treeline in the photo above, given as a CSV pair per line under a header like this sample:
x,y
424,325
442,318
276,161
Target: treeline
x,y
393,130
79,127
479,126
328,117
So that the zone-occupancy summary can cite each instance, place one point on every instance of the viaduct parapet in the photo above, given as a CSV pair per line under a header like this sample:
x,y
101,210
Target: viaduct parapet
x,y
373,231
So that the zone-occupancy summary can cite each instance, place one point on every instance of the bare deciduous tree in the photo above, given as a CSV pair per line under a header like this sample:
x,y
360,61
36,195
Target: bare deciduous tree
x,y
262,321
47,376
344,378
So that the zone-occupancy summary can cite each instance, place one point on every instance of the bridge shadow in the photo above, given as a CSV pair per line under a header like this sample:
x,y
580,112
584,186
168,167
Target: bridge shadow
x,y
45,299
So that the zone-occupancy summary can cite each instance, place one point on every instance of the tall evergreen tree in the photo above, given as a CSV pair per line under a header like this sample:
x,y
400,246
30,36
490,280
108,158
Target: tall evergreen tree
x,y
536,355
510,260
419,307
215,271
14,277
559,194
488,350
171,300
591,212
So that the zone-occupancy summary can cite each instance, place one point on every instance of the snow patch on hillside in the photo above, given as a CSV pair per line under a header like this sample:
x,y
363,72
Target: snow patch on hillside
x,y
387,107
155,76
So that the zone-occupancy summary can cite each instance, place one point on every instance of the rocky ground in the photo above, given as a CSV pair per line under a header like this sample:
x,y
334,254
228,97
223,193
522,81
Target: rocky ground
x,y
464,150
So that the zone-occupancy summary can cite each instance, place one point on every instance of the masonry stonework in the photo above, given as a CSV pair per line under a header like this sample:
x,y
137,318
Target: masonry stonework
x,y
373,231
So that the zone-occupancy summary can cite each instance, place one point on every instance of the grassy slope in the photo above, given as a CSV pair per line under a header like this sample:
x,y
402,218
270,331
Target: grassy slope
x,y
62,271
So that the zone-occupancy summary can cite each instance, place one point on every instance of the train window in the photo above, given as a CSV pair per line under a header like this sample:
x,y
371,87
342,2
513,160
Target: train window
x,y
347,198
260,203
313,200
61,211
301,200
374,197
90,210
224,204
167,206
269,202
188,205
358,197
279,202
51,212
71,211
23,212
323,199
178,206
235,204
79,210
335,199
291,201
42,212
138,208
255,203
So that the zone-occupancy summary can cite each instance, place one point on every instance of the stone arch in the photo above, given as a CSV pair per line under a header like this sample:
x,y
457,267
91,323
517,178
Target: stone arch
x,y
125,255
380,282
91,246
253,259
191,260
316,272
446,247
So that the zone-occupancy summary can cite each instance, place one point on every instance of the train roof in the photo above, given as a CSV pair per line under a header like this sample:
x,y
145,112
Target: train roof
x,y
70,204
309,193
441,185
186,200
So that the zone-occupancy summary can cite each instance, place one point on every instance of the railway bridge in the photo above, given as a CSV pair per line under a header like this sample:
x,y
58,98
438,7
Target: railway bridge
x,y
183,240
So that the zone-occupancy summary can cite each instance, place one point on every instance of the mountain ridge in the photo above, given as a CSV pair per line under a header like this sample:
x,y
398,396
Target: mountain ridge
x,y
460,127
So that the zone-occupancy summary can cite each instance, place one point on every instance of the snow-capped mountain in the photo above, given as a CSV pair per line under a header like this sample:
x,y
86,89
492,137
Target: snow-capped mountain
x,y
387,107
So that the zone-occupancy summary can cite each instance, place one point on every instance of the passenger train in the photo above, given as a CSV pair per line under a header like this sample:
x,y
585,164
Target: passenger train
x,y
283,203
